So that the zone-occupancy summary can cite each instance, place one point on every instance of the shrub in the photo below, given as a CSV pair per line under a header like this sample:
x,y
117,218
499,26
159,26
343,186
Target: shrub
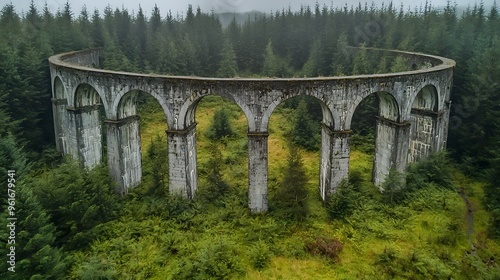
x,y
434,169
342,203
215,260
325,246
260,255
394,186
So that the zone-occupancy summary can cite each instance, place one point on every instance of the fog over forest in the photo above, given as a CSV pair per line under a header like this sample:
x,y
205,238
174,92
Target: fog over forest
x,y
219,6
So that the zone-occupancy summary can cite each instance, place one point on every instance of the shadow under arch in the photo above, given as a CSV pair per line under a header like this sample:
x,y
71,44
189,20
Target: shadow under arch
x,y
424,116
59,90
86,95
378,115
427,98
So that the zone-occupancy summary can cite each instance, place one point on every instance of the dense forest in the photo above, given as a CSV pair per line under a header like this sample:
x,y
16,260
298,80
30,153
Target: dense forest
x,y
439,220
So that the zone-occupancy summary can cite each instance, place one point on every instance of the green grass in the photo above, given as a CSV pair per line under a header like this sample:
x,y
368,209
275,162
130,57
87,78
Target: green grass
x,y
424,237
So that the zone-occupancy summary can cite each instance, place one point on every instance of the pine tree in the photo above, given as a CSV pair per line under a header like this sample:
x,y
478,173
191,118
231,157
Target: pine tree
x,y
158,165
313,67
37,256
216,186
271,67
77,201
96,30
342,57
221,127
291,197
361,62
399,65
227,67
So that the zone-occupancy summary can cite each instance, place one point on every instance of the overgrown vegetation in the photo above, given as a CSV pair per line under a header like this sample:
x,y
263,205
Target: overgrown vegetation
x,y
431,222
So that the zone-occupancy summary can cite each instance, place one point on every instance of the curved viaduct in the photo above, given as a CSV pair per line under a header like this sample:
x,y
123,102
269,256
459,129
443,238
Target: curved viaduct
x,y
412,121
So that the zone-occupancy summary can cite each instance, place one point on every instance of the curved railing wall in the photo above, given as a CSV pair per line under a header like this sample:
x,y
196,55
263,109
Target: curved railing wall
x,y
412,121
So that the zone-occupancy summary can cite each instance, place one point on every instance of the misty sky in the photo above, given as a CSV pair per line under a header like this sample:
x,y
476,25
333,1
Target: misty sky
x,y
217,5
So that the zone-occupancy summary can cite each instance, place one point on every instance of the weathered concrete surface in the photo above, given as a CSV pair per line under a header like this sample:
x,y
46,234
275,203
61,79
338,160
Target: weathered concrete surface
x,y
334,165
412,121
257,169
124,152
183,172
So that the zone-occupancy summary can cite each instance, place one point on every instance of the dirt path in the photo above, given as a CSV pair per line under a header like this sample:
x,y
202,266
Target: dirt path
x,y
469,216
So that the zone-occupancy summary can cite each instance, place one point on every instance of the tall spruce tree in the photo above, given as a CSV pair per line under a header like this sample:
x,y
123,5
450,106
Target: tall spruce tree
x,y
221,127
228,67
291,197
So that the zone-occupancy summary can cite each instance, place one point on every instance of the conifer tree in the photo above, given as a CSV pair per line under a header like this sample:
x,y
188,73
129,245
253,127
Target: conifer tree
x,y
399,65
270,67
221,127
303,133
291,197
216,186
227,67
158,159
313,67
37,256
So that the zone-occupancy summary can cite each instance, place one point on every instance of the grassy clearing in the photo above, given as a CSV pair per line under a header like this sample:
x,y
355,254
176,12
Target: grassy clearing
x,y
423,237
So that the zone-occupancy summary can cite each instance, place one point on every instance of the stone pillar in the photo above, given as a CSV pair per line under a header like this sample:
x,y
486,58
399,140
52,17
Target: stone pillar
x,y
182,170
442,127
124,152
425,136
257,171
85,131
60,117
334,167
391,148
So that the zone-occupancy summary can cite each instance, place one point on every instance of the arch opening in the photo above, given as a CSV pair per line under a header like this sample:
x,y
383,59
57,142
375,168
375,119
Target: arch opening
x,y
222,148
59,89
424,138
143,142
375,125
300,121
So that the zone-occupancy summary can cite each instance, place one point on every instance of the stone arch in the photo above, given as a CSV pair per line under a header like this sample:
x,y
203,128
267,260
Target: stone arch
x,y
328,117
388,107
186,117
127,105
388,129
125,100
86,95
427,99
59,91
